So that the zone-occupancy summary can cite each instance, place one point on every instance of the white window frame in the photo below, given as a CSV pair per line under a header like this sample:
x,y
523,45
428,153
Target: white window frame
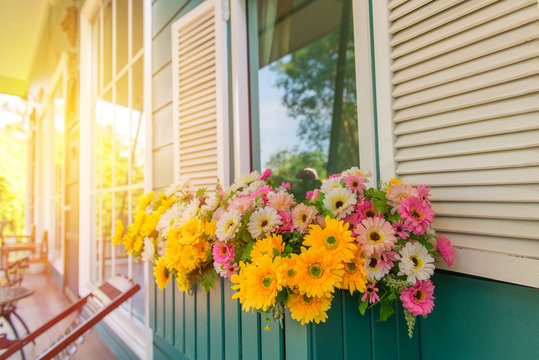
x,y
240,86
135,334
488,264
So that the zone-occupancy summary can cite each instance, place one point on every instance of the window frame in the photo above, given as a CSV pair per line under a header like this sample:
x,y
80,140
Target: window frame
x,y
135,333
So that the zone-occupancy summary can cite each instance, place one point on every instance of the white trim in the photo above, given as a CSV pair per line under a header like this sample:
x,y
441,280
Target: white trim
x,y
221,70
364,78
384,99
240,87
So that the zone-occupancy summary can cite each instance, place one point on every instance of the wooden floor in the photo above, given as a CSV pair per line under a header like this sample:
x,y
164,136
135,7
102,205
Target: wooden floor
x,y
48,301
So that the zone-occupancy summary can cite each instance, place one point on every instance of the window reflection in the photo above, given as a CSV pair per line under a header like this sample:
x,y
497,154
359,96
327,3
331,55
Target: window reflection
x,y
306,86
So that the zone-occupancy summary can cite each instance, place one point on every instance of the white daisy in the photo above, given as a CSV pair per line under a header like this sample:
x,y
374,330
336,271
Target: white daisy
x,y
210,203
244,180
340,202
190,210
161,247
263,221
180,190
228,225
149,250
415,262
167,219
373,268
330,184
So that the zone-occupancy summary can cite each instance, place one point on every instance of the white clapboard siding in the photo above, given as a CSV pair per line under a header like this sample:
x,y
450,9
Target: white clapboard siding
x,y
465,88
200,96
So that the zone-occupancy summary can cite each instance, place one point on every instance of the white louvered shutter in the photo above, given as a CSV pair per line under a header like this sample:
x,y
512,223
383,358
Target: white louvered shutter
x,y
200,102
465,78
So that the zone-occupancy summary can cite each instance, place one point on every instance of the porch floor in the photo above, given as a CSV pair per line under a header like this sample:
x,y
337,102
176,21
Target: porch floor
x,y
47,301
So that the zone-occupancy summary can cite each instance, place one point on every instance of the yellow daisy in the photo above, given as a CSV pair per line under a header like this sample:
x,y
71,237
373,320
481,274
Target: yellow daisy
x,y
318,272
192,230
182,282
145,201
354,277
137,246
258,284
210,228
117,238
173,252
265,247
334,238
161,273
306,309
193,255
290,273
392,183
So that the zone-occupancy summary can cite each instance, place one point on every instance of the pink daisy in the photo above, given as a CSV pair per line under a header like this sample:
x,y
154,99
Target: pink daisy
x,y
226,270
281,201
241,203
286,185
400,192
401,229
418,299
446,249
371,292
375,236
355,182
223,253
267,174
334,176
423,192
417,214
286,222
353,220
386,260
366,210
302,216
312,195
264,191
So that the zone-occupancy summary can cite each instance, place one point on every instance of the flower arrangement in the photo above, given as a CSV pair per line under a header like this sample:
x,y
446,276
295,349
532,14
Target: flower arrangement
x,y
280,251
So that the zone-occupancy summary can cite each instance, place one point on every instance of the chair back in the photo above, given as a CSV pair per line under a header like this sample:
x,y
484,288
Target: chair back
x,y
44,246
15,272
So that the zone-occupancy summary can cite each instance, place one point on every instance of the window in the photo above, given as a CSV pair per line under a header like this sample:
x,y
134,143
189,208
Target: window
x,y
118,140
303,86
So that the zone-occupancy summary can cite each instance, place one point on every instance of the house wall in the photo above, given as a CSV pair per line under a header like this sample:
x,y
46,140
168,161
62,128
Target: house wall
x,y
474,318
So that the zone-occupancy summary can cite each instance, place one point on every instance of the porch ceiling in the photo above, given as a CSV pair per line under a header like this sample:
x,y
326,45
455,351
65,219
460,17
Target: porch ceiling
x,y
21,22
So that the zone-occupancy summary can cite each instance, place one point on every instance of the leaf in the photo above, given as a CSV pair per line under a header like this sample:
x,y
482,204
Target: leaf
x,y
386,309
276,252
246,252
208,279
200,192
363,306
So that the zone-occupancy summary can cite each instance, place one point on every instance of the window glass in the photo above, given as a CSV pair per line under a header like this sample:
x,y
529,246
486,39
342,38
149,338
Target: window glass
x,y
307,112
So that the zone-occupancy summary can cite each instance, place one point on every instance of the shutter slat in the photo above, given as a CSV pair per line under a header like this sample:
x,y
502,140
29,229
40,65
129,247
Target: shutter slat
x,y
522,140
206,34
496,160
406,8
475,177
194,27
461,26
435,21
504,228
394,3
474,35
184,119
518,36
487,211
425,12
494,193
489,62
500,109
520,247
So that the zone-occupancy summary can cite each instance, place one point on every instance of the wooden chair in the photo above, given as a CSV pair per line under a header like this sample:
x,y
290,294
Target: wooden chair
x,y
90,310
39,252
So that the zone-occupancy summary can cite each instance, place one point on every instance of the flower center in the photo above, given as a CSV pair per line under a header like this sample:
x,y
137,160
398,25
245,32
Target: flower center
x,y
355,184
370,290
267,281
369,213
373,262
223,251
374,236
191,257
338,204
419,295
316,270
415,214
331,243
304,217
307,299
291,273
166,273
351,267
229,225
264,223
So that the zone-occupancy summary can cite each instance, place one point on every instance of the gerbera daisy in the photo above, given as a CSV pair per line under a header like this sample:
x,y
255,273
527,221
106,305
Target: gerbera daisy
x,y
415,262
392,183
263,191
371,292
401,229
335,238
281,201
374,268
168,218
306,309
258,284
400,192
241,203
365,210
330,184
354,277
266,174
263,221
423,192
161,273
193,255
149,250
418,299
265,247
417,214
318,272
354,182
302,216
211,202
228,225
225,270
286,222
192,230
340,202
375,235
289,271
447,251
223,253
387,258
